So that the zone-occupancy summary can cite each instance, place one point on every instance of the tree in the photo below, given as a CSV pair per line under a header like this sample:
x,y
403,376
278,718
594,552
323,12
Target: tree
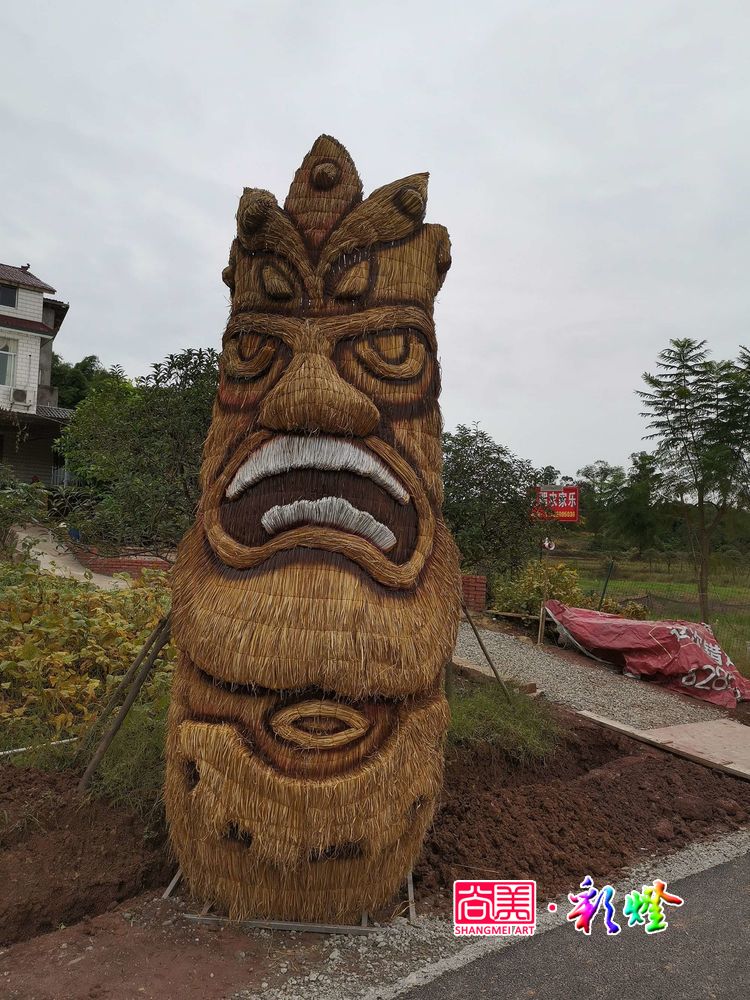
x,y
698,412
136,448
75,381
488,500
637,515
601,486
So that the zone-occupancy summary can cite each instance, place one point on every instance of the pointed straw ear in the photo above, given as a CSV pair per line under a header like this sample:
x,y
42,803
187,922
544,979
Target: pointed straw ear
x,y
392,212
444,260
324,189
263,228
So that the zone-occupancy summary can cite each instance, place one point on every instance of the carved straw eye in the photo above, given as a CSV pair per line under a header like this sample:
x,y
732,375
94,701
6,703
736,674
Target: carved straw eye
x,y
249,354
393,354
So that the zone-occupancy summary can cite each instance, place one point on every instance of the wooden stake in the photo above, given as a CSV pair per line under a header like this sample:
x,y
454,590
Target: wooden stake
x,y
119,690
161,639
173,884
542,622
487,656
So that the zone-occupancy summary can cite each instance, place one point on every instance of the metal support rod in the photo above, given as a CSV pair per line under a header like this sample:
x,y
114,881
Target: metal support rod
x,y
487,656
412,906
606,583
542,622
162,638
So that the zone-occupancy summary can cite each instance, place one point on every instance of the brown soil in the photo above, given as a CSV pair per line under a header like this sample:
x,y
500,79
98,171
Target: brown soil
x,y
601,803
63,857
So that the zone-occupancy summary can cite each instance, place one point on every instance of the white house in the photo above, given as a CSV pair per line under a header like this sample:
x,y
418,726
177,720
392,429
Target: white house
x,y
30,418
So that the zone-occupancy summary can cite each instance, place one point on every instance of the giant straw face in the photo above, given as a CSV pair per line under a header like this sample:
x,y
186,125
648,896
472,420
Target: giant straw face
x,y
316,597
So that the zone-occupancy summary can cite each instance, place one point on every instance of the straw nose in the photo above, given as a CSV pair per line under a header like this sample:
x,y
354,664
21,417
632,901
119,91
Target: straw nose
x,y
312,396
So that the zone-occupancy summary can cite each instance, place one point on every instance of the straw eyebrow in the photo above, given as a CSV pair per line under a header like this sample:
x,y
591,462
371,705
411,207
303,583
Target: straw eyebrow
x,y
329,330
330,454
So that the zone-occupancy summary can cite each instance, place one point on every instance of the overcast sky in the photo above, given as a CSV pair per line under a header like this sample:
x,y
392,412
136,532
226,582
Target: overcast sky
x,y
590,160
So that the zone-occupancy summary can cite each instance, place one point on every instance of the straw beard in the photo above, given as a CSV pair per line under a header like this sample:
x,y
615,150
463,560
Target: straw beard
x,y
315,605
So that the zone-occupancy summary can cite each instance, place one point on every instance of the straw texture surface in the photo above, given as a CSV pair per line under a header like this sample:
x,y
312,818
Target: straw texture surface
x,y
316,598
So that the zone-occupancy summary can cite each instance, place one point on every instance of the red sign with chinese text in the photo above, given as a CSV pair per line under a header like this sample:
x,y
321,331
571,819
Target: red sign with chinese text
x,y
557,503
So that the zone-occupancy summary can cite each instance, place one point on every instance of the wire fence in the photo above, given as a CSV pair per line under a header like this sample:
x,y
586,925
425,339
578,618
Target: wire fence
x,y
666,587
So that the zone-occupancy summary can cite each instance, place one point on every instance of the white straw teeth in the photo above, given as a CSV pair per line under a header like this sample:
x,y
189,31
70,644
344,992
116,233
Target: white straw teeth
x,y
332,511
330,454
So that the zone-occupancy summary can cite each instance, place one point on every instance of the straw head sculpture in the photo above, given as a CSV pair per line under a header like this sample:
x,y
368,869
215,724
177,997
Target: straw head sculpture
x,y
316,598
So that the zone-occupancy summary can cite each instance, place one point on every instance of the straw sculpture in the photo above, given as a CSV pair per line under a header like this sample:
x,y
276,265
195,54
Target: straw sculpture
x,y
316,598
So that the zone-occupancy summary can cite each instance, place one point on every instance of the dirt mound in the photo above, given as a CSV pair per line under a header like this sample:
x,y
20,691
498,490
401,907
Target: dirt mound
x,y
602,802
63,857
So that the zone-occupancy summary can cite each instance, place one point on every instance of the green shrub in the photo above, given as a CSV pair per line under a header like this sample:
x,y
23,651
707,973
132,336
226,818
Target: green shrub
x,y
524,592
537,581
20,503
131,773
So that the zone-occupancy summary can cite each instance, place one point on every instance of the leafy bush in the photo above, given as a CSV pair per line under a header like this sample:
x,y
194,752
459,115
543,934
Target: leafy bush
x,y
136,448
65,645
537,581
20,503
488,500
626,609
522,729
524,592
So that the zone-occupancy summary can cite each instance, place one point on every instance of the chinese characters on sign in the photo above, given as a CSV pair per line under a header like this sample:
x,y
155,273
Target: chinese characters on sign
x,y
719,674
557,503
494,908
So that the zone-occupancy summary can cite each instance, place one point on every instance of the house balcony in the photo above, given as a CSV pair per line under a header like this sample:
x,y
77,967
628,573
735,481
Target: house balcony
x,y
46,395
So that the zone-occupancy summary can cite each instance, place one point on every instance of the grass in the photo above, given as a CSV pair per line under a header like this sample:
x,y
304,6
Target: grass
x,y
523,730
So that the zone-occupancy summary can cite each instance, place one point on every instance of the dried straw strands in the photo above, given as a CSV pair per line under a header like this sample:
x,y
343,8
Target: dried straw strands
x,y
316,598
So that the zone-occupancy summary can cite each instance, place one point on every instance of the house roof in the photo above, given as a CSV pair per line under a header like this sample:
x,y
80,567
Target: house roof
x,y
43,415
23,277
54,412
27,325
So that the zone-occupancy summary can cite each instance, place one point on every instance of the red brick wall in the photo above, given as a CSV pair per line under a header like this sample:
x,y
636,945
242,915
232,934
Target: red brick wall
x,y
475,592
117,563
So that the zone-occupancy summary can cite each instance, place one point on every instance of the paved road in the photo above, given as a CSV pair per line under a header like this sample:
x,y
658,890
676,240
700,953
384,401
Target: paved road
x,y
704,954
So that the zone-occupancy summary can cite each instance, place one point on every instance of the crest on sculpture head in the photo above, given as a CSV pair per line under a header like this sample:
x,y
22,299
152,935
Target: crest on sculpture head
x,y
328,250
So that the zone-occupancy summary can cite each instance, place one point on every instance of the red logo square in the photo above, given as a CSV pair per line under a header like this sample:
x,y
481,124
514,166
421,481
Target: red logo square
x,y
494,907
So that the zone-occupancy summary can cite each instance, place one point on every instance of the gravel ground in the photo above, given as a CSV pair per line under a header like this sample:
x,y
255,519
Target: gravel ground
x,y
589,688
385,965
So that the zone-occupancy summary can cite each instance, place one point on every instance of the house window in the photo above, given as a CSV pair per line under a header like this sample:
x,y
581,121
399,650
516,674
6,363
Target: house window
x,y
8,351
8,296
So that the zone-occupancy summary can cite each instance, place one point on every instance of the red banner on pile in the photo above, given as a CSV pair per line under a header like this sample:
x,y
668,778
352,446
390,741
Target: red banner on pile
x,y
680,655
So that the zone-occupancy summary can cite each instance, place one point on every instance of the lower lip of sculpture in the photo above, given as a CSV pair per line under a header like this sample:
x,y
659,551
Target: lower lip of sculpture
x,y
333,511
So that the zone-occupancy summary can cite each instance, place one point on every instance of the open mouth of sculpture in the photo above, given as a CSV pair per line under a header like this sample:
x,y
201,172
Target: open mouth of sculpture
x,y
293,481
